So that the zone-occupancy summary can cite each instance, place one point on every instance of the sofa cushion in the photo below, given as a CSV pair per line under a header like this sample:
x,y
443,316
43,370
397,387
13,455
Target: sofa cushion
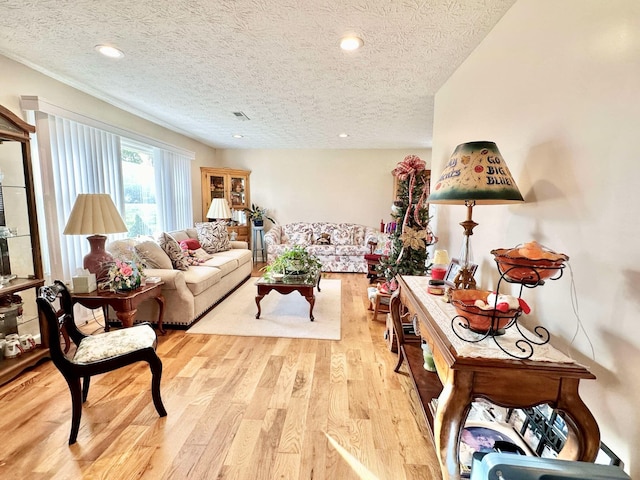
x,y
300,238
298,233
242,255
322,249
224,263
359,233
351,250
200,278
213,236
343,235
152,255
172,248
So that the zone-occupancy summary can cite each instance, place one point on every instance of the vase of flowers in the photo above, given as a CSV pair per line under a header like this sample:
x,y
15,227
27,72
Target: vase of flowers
x,y
124,276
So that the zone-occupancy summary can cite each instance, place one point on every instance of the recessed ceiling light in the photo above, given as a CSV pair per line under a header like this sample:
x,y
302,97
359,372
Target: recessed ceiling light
x,y
351,42
343,135
237,135
109,51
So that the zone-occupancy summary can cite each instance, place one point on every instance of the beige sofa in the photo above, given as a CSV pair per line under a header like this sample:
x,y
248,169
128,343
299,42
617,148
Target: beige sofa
x,y
191,293
340,247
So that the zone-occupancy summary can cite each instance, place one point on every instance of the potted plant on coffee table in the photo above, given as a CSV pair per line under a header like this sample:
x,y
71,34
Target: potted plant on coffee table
x,y
293,262
258,214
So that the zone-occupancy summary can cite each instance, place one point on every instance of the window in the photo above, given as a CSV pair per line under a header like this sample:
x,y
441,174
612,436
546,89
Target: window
x,y
139,189
148,180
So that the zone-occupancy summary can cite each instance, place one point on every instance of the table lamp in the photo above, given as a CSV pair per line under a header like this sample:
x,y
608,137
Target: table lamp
x,y
219,209
95,214
476,174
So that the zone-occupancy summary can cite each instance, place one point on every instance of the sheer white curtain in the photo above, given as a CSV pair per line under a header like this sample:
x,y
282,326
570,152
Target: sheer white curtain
x,y
83,159
173,189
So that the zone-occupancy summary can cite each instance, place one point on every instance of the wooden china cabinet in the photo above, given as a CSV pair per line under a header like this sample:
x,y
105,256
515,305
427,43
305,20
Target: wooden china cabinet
x,y
20,261
232,185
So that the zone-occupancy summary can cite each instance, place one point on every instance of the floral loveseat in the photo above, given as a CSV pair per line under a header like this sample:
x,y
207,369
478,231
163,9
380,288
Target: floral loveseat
x,y
340,247
195,280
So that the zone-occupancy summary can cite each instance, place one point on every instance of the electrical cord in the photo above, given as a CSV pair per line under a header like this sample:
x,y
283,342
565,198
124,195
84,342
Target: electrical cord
x,y
576,312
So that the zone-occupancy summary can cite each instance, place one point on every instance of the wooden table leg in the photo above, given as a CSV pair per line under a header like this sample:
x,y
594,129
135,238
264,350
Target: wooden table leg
x,y
258,300
312,301
127,317
583,441
160,300
453,406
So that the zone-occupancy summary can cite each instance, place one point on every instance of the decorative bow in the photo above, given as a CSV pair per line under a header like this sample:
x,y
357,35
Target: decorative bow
x,y
408,168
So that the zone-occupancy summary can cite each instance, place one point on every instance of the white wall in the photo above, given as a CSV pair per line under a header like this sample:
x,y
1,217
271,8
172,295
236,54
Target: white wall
x,y
322,185
17,80
556,85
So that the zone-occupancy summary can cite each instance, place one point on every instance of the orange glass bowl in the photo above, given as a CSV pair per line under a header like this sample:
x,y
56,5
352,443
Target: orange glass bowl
x,y
479,320
521,269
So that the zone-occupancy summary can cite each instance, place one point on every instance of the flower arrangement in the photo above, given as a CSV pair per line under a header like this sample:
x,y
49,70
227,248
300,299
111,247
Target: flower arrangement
x,y
124,276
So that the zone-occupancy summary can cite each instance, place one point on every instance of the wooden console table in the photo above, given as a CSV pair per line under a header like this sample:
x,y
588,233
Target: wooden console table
x,y
471,370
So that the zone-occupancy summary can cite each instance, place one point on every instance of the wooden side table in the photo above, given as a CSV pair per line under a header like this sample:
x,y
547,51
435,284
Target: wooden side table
x,y
125,304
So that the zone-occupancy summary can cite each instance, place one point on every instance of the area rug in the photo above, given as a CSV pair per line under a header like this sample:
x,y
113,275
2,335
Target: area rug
x,y
281,316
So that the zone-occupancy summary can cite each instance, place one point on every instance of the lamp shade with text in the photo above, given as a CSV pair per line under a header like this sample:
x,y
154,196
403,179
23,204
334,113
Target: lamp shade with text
x,y
95,214
476,174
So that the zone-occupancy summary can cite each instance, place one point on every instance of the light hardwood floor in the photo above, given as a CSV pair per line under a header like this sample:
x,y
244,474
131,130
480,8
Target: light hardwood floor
x,y
238,408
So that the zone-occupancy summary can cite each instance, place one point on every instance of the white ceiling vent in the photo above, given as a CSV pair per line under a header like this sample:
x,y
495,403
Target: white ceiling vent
x,y
241,116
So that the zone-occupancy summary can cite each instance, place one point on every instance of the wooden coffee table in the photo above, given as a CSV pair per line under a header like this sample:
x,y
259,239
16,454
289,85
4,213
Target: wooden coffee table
x,y
302,284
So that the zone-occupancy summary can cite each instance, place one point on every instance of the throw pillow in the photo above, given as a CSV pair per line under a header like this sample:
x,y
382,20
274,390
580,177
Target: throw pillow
x,y
213,236
342,235
122,249
190,244
300,238
172,248
202,255
152,256
191,257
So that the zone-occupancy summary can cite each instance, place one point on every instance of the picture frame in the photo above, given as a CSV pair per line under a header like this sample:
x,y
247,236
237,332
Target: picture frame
x,y
452,270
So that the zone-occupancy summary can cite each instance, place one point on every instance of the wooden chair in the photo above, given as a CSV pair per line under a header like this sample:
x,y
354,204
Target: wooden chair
x,y
95,354
403,342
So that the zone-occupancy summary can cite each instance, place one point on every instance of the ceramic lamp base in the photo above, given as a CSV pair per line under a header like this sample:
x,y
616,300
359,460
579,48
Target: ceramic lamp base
x,y
98,259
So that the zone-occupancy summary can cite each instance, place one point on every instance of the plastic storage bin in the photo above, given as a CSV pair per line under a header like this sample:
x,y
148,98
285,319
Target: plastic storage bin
x,y
504,466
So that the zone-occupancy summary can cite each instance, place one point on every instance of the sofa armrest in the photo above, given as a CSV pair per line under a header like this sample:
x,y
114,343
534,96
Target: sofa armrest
x,y
273,236
173,279
239,244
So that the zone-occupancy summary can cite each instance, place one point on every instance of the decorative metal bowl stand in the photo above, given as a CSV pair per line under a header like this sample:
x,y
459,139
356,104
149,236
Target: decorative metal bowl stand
x,y
523,346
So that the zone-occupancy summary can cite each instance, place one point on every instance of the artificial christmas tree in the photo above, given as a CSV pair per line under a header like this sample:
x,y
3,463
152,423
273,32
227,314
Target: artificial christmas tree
x,y
408,254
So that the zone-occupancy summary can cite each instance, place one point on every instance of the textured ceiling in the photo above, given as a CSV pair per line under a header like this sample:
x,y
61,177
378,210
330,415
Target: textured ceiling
x,y
190,63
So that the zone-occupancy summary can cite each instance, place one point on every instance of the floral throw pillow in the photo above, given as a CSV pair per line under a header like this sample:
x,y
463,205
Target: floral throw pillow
x,y
342,235
213,236
172,248
192,258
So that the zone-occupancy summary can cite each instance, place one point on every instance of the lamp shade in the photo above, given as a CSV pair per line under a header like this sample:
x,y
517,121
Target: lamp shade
x,y
219,209
476,172
94,214
441,257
